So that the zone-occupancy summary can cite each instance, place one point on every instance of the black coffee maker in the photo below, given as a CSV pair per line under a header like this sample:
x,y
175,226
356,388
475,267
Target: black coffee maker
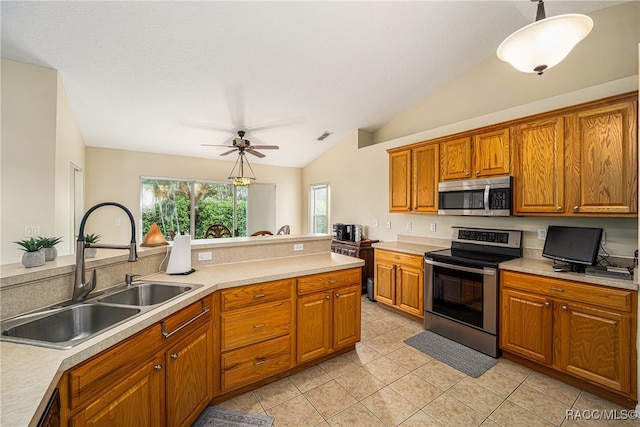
x,y
342,231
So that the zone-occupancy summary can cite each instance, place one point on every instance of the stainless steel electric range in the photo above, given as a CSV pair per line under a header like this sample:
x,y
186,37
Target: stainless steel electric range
x,y
462,286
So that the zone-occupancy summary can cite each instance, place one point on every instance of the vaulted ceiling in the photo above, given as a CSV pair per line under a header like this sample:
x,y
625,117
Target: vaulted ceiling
x,y
166,77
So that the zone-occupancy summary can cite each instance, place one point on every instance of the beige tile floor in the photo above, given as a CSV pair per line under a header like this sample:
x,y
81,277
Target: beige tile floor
x,y
384,382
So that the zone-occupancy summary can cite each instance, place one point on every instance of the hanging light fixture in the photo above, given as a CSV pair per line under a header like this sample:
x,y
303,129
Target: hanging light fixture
x,y
239,179
543,44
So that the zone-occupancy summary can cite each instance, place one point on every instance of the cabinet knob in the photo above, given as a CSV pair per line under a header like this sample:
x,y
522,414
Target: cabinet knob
x,y
467,174
327,297
174,356
158,367
408,209
547,304
559,208
576,208
337,295
477,172
565,308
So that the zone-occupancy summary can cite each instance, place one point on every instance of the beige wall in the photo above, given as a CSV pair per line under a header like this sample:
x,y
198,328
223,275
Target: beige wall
x,y
114,175
39,136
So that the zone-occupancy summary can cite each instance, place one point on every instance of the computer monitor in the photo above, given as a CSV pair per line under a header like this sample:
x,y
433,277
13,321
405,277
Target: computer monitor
x,y
577,246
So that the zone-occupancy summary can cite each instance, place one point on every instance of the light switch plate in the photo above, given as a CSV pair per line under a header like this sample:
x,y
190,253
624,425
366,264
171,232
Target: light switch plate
x,y
205,256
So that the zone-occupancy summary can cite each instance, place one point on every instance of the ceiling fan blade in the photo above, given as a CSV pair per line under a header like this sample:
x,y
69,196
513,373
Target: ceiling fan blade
x,y
266,147
228,152
216,145
255,153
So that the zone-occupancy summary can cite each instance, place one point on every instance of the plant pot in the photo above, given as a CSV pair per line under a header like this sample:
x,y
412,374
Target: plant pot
x,y
33,259
90,252
50,254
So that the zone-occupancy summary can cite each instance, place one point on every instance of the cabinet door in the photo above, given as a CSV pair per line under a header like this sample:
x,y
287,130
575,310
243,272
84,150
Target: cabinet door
x,y
189,377
595,345
385,282
455,159
604,144
539,183
526,325
425,177
410,290
400,181
491,153
138,400
314,326
346,316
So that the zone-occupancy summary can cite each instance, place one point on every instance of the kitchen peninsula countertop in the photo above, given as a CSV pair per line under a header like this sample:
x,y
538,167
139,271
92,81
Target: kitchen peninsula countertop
x,y
29,374
410,248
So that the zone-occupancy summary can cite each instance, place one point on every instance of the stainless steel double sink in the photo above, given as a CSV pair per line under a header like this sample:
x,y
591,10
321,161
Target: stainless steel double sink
x,y
63,327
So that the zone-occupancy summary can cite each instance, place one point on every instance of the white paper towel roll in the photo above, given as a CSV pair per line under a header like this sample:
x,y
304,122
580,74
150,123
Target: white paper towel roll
x,y
180,258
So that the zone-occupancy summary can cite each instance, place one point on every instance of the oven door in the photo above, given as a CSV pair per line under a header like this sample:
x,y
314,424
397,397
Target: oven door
x,y
462,294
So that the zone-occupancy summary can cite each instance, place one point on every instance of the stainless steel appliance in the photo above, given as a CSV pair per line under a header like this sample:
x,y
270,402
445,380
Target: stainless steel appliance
x,y
462,286
476,197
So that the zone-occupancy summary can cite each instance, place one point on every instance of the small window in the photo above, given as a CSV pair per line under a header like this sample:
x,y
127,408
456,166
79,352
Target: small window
x,y
319,196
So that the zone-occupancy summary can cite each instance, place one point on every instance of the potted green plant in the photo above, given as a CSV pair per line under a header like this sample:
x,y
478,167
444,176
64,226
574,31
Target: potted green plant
x,y
91,238
49,247
33,254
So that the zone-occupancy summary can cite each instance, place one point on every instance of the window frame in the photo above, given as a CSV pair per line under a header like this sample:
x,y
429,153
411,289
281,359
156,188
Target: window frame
x,y
312,205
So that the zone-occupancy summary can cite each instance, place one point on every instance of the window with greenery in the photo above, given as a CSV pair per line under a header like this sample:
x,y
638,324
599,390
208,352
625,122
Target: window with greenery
x,y
319,196
191,207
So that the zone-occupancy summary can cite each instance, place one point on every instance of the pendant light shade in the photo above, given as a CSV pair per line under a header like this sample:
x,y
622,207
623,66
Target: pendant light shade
x,y
543,44
237,176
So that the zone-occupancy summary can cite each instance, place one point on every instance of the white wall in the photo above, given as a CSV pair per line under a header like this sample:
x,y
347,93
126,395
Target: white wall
x,y
114,175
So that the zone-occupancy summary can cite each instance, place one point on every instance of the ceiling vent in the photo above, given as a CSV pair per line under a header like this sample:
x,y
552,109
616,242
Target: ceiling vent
x,y
323,136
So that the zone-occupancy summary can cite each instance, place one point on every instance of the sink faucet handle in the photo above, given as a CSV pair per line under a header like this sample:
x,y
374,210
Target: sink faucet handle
x,y
128,278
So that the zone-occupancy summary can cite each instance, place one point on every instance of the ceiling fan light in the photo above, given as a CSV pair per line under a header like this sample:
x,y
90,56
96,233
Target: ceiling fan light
x,y
544,43
241,181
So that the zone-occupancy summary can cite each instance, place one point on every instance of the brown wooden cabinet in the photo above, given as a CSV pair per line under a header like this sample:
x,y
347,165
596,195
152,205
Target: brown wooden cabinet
x,y
413,179
579,162
481,155
585,331
160,376
256,332
328,313
399,282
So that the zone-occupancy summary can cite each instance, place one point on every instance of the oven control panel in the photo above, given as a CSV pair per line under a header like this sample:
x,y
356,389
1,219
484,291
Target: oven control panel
x,y
483,236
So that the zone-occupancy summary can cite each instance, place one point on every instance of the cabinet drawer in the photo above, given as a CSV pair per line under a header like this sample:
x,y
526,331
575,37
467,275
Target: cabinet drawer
x,y
617,299
399,258
253,363
187,319
249,326
323,281
244,296
95,376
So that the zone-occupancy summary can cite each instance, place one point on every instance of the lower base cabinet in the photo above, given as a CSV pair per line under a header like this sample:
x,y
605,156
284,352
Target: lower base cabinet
x,y
160,376
399,282
585,331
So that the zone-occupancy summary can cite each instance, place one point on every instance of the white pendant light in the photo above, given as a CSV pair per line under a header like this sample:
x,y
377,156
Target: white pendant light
x,y
543,44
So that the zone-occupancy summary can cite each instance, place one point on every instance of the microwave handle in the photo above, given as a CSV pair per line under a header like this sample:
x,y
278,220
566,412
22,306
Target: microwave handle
x,y
484,271
487,188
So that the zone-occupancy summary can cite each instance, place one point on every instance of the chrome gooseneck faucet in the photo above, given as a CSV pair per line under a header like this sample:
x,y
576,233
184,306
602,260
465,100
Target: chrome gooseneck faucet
x,y
81,288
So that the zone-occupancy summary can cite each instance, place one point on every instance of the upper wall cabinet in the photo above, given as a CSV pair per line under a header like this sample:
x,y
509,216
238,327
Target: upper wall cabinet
x,y
477,156
582,163
413,179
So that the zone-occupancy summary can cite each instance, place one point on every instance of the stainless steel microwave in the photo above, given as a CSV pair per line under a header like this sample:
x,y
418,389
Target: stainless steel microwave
x,y
476,197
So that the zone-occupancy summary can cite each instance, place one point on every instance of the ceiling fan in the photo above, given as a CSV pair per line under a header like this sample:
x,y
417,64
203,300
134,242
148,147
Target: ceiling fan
x,y
243,145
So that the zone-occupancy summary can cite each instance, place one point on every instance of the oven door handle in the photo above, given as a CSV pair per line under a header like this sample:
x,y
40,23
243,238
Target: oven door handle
x,y
484,271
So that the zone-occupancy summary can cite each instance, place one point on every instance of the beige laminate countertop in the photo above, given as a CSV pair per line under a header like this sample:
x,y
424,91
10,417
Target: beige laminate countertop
x,y
541,267
29,374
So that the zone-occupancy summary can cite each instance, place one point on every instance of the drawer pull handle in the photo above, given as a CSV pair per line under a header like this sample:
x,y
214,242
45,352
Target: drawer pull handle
x,y
260,361
261,325
333,281
204,311
174,356
158,367
258,296
565,308
556,289
547,304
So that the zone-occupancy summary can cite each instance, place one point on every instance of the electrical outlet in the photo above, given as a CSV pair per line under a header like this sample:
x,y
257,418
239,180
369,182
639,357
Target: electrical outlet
x,y
205,256
35,230
374,223
409,225
542,233
298,247
433,227
388,224
28,231
603,241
